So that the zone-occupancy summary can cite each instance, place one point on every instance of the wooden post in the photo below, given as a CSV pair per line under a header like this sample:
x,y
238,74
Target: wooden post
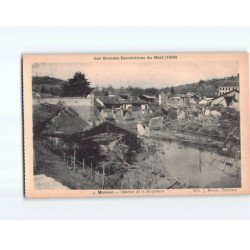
x,y
83,164
63,158
200,159
103,176
91,171
74,161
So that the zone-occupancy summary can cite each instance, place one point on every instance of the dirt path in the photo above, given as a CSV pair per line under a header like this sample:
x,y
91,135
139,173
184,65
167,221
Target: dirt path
x,y
43,182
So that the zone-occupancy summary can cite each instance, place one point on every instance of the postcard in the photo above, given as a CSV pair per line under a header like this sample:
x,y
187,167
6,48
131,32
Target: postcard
x,y
109,125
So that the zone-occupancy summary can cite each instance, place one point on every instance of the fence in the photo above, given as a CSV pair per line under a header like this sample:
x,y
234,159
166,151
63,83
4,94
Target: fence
x,y
87,171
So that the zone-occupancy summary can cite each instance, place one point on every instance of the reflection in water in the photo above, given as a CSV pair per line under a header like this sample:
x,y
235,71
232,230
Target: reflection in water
x,y
198,168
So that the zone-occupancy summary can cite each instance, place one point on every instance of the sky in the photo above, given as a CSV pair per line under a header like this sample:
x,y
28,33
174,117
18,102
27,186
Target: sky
x,y
140,74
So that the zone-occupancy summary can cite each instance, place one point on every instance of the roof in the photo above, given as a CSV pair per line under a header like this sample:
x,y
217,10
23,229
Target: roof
x,y
119,92
114,100
228,98
105,127
105,133
226,94
44,112
117,101
230,84
67,122
149,96
134,101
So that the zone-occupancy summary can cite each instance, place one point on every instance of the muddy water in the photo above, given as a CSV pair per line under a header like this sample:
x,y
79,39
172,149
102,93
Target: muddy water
x,y
195,167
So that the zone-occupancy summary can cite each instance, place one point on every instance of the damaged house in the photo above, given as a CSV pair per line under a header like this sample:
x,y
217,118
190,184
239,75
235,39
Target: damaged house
x,y
54,121
105,102
230,99
148,98
107,143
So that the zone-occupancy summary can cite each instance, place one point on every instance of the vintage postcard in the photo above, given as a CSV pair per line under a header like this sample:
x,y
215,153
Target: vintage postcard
x,y
106,125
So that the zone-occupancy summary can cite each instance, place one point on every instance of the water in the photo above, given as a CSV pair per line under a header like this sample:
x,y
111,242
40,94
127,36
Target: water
x,y
195,167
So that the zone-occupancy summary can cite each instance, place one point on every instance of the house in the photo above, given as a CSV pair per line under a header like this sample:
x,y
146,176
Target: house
x,y
148,98
163,98
54,122
120,93
82,105
105,102
133,103
66,122
230,99
42,114
105,133
228,86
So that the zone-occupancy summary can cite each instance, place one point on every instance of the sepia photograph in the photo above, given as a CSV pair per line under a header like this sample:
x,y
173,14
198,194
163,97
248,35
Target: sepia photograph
x,y
135,124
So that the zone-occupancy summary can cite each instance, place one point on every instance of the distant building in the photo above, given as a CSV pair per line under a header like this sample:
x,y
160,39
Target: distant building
x,y
163,98
148,98
228,86
105,102
122,94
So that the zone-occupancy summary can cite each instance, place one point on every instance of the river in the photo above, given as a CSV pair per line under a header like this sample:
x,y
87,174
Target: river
x,y
200,168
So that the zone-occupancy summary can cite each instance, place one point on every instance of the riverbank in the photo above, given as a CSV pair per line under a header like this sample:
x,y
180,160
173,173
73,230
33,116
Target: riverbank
x,y
191,139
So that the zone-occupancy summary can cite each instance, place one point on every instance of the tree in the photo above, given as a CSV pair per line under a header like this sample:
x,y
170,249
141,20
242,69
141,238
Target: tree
x,y
201,83
135,91
172,91
78,85
151,91
43,89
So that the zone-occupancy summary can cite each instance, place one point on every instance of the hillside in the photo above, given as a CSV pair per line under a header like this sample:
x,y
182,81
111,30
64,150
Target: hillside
x,y
204,88
47,84
208,88
39,80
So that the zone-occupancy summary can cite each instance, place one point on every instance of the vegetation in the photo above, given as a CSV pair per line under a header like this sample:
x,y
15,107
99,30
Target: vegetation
x,y
78,85
172,92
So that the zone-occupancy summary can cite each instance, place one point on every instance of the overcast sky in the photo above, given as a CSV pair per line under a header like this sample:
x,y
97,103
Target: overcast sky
x,y
140,74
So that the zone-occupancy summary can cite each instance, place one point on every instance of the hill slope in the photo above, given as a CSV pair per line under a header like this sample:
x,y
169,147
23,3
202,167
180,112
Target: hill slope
x,y
47,84
204,88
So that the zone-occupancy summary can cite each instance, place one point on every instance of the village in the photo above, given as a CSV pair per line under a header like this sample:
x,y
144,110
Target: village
x,y
118,140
